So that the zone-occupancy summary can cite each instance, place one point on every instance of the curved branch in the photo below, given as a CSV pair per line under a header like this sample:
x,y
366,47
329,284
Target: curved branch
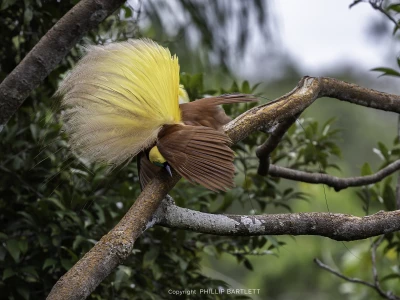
x,y
295,102
333,181
263,152
339,227
50,50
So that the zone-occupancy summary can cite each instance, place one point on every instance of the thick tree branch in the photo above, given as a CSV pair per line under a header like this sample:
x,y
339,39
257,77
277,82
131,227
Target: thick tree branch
x,y
113,248
333,181
307,91
50,50
339,227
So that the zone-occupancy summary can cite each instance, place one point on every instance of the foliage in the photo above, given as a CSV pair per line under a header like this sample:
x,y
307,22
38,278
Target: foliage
x,y
54,206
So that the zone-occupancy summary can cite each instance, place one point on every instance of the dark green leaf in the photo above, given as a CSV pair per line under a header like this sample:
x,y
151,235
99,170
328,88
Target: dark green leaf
x,y
386,71
150,256
366,169
7,273
389,198
13,248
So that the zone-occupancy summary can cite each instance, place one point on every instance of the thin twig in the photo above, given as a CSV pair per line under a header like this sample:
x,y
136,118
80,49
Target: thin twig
x,y
338,274
336,182
377,4
374,246
376,285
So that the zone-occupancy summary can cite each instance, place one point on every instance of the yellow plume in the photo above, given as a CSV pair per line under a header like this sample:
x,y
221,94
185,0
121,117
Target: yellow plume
x,y
118,97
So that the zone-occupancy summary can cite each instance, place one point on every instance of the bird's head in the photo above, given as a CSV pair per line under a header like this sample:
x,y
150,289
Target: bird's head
x,y
156,158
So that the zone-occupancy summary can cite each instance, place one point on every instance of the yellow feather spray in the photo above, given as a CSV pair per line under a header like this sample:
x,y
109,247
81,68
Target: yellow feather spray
x,y
117,99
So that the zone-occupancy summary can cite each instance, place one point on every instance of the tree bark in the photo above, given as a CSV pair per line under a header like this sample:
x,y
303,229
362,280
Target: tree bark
x,y
339,227
48,53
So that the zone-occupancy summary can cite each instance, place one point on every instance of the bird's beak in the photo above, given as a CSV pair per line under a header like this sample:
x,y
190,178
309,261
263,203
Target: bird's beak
x,y
168,168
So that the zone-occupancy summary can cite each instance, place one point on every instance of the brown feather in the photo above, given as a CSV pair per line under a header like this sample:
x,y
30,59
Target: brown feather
x,y
197,152
207,112
146,169
187,150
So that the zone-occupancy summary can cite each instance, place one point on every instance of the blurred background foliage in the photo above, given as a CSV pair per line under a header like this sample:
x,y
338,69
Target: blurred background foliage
x,y
54,207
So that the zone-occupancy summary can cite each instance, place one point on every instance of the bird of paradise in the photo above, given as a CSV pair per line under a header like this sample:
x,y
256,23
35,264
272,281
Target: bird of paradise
x,y
122,100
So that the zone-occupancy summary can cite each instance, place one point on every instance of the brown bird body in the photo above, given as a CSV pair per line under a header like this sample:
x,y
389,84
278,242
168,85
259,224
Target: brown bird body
x,y
198,149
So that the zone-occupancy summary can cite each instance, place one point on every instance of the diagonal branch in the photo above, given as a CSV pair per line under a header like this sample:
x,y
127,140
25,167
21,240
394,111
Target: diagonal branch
x,y
333,181
50,50
263,152
339,227
115,246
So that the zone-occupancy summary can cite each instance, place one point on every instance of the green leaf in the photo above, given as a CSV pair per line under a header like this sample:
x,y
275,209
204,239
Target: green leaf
x,y
386,71
150,256
389,198
3,253
128,11
13,248
246,87
210,250
7,273
254,87
78,240
248,265
7,3
157,271
394,7
122,275
366,169
24,292
384,150
31,271
28,15
23,245
49,262
66,264
71,253
273,241
390,277
34,131
55,202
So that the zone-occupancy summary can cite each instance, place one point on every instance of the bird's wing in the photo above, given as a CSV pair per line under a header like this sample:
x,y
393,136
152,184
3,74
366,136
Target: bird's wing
x,y
207,112
118,97
199,154
146,169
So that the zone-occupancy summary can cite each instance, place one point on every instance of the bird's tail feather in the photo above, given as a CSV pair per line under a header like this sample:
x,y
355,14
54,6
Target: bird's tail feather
x,y
118,97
